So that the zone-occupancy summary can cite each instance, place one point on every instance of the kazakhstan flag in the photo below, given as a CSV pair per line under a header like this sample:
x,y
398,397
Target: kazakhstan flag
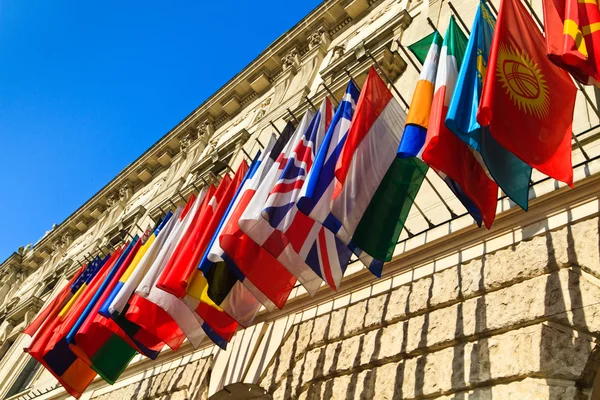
x,y
511,174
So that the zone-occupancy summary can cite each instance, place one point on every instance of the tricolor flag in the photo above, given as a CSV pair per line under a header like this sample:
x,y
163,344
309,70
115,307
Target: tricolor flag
x,y
573,37
374,187
511,174
106,345
134,274
49,345
163,315
316,195
213,281
527,101
443,150
262,274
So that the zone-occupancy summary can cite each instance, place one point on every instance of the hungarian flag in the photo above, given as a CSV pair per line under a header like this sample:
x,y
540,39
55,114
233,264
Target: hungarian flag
x,y
573,37
330,255
444,151
187,256
374,186
261,273
527,101
158,312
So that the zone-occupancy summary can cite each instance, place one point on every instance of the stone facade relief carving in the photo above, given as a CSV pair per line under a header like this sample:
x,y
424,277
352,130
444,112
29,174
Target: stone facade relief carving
x,y
262,109
319,38
125,193
112,199
186,142
291,59
374,22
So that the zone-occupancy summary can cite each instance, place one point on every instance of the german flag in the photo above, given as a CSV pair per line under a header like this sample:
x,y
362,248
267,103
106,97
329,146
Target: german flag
x,y
573,37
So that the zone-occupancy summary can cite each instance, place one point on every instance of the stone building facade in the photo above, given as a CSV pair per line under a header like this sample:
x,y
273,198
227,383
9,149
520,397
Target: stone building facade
x,y
461,312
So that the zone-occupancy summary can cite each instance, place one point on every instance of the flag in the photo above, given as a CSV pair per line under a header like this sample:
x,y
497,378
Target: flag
x,y
134,274
262,274
527,101
307,249
49,345
106,345
443,150
573,37
511,174
160,313
185,261
316,195
374,188
100,290
211,278
421,48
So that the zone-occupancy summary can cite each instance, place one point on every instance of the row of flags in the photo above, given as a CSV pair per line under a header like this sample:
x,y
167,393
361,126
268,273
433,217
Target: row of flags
x,y
486,110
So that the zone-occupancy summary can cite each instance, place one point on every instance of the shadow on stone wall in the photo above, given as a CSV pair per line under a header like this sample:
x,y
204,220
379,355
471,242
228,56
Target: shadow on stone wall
x,y
519,320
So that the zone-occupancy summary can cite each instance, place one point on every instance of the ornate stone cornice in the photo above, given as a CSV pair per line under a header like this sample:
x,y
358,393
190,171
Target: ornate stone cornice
x,y
257,73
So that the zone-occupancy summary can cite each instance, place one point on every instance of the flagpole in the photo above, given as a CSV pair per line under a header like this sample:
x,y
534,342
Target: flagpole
x,y
293,116
274,126
457,15
452,213
432,25
408,56
588,99
337,103
387,78
311,103
351,77
259,144
489,3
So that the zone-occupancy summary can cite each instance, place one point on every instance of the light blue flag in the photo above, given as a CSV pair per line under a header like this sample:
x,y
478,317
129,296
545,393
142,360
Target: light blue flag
x,y
511,174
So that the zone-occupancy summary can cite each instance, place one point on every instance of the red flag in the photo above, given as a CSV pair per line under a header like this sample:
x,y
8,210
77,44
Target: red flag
x,y
527,101
573,37
192,246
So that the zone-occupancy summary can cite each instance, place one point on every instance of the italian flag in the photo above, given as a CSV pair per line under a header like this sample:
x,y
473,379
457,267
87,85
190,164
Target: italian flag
x,y
374,187
446,152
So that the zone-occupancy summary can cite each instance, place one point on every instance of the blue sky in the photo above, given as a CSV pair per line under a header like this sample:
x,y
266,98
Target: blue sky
x,y
86,87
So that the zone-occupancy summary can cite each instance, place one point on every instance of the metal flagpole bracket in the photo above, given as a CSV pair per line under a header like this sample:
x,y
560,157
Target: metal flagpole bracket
x,y
246,154
457,15
351,77
195,187
431,225
172,203
337,103
259,144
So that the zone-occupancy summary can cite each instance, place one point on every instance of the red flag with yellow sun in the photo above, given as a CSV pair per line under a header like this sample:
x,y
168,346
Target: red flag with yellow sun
x,y
527,101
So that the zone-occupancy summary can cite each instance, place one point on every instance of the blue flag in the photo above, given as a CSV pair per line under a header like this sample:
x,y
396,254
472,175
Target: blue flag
x,y
511,174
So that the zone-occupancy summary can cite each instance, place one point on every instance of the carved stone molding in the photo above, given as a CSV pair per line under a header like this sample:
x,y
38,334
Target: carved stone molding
x,y
186,142
112,199
125,193
319,39
205,130
291,60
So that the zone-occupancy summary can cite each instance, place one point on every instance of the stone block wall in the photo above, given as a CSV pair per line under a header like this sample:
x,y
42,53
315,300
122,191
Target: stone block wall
x,y
519,323
186,382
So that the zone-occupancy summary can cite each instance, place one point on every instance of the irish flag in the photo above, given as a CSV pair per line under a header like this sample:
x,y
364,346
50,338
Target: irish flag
x,y
444,151
375,187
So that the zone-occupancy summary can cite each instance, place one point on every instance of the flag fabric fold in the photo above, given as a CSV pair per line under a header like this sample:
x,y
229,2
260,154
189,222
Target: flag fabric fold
x,y
443,150
509,172
262,274
527,102
573,37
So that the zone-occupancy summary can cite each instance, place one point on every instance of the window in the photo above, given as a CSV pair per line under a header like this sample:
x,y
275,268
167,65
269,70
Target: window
x,y
25,378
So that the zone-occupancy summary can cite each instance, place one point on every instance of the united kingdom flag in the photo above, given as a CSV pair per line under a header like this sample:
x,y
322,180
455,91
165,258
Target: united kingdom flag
x,y
308,250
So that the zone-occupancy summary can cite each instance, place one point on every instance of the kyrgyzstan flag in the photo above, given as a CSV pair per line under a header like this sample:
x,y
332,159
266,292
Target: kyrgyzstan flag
x,y
573,37
527,101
